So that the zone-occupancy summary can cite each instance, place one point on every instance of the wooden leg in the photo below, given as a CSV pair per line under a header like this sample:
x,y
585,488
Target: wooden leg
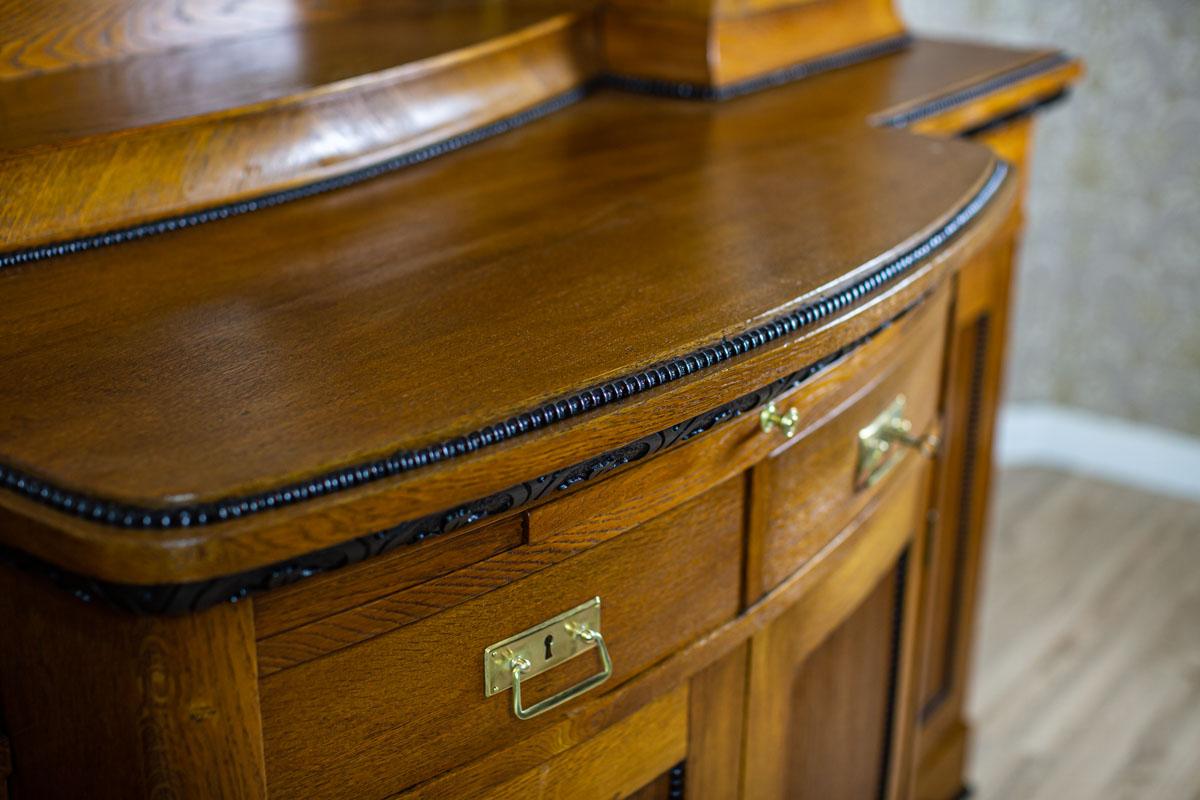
x,y
102,704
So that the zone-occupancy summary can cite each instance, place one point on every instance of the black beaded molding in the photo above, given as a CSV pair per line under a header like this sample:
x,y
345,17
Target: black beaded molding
x,y
1020,112
189,597
122,515
806,69
975,91
168,224
677,781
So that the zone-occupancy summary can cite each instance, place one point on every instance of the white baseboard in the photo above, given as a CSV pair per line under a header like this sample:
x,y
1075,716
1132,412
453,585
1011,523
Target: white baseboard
x,y
1143,456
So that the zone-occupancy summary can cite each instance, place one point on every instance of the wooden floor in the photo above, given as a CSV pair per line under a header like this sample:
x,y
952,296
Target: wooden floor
x,y
1087,673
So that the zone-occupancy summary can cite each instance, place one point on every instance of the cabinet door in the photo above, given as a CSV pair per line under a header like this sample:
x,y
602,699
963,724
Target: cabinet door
x,y
830,700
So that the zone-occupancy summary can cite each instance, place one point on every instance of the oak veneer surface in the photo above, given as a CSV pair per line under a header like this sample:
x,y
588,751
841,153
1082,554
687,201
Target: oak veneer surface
x,y
42,110
263,349
52,35
310,336
406,706
113,145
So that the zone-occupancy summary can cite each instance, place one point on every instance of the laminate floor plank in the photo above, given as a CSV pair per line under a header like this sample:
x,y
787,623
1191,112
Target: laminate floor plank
x,y
1087,677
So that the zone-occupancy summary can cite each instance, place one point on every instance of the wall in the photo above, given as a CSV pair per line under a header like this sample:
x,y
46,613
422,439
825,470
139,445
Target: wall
x,y
1108,309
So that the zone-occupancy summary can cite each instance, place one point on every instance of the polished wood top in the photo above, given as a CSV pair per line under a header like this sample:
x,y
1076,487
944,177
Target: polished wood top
x,y
253,352
244,72
303,338
345,86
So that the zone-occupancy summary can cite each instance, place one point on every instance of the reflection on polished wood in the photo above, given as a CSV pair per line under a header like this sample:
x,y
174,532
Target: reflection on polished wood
x,y
302,457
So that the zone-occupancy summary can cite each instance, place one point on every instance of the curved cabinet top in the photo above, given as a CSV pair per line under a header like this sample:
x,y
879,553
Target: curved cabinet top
x,y
313,341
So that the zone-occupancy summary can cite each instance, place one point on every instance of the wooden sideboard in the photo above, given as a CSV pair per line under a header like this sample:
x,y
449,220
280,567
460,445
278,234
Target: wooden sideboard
x,y
515,399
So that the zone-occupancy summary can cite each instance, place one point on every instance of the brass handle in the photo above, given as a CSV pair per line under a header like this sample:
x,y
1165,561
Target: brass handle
x,y
520,664
770,418
880,443
900,433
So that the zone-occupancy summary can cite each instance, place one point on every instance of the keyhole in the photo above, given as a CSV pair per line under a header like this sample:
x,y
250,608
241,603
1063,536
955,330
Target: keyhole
x,y
549,646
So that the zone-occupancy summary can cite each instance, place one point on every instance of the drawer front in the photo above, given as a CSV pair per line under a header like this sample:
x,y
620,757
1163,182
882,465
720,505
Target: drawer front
x,y
812,487
399,709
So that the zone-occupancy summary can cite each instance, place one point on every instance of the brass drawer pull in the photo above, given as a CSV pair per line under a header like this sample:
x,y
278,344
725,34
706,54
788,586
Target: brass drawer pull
x,y
545,645
770,418
880,444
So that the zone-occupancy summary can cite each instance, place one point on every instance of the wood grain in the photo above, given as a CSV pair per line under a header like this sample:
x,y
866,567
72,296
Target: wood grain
x,y
326,595
144,420
63,34
104,705
614,764
88,151
310,336
838,732
782,648
717,719
337,286
806,491
716,44
594,433
574,523
418,692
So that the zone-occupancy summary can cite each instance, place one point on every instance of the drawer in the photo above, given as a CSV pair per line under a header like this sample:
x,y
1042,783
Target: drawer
x,y
391,712
809,488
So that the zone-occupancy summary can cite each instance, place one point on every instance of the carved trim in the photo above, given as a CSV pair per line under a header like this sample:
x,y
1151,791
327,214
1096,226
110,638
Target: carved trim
x,y
196,596
966,503
945,102
110,512
805,69
147,229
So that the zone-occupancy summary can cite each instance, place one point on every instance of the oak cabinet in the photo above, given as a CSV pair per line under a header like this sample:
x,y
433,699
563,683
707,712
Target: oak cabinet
x,y
468,402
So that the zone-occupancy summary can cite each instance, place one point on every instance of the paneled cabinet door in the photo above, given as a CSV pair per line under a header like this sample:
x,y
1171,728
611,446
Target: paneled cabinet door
x,y
830,703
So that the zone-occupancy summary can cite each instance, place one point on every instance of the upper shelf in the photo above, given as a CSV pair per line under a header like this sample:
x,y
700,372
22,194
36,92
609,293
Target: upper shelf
x,y
114,143
148,116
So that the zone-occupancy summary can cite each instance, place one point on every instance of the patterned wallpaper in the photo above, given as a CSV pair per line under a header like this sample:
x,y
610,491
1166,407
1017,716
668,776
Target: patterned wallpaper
x,y
1108,308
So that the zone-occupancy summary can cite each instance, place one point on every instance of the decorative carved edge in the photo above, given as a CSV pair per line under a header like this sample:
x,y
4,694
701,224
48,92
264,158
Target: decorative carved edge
x,y
944,103
189,597
805,69
168,224
122,515
966,504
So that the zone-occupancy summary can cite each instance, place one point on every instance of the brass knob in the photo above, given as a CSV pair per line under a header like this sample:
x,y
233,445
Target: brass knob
x,y
770,418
